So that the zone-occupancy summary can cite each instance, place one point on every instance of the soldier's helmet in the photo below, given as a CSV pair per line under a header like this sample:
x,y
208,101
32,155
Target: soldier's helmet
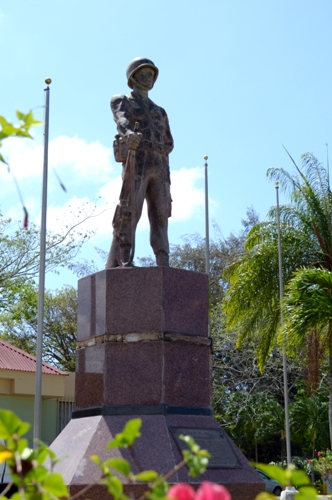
x,y
138,63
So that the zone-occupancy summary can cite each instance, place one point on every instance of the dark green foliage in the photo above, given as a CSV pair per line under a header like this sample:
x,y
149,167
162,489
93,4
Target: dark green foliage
x,y
18,326
190,255
252,304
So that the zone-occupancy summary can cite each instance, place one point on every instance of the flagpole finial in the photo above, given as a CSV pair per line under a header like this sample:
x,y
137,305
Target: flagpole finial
x,y
206,157
48,81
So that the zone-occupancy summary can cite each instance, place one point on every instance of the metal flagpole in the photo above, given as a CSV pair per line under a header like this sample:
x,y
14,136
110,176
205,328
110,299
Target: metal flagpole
x,y
207,237
284,360
41,289
328,164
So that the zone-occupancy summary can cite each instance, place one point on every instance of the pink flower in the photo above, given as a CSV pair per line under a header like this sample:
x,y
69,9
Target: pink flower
x,y
319,453
212,491
309,461
206,491
181,491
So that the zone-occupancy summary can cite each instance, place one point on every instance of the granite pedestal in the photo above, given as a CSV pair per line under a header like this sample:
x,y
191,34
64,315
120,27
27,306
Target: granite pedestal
x,y
144,351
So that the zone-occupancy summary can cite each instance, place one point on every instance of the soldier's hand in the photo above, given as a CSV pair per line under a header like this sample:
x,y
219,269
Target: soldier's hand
x,y
134,139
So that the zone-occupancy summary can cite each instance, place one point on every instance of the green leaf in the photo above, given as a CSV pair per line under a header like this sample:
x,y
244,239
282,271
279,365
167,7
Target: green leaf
x,y
159,492
23,133
306,493
9,130
298,477
41,453
3,160
10,424
120,465
96,459
23,448
147,476
27,120
197,464
4,122
38,474
127,437
274,472
54,484
115,487
21,116
266,496
31,121
15,496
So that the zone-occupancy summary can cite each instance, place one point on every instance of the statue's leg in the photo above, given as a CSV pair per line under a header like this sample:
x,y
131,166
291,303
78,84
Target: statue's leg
x,y
113,256
158,198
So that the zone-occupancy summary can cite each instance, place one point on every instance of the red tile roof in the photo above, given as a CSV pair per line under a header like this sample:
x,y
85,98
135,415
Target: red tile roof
x,y
13,358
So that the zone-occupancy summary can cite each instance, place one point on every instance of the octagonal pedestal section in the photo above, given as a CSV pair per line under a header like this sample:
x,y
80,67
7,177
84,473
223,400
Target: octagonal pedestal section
x,y
156,449
144,351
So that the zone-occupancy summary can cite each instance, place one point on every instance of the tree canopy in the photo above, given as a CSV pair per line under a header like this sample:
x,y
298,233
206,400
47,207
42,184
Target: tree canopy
x,y
18,325
252,304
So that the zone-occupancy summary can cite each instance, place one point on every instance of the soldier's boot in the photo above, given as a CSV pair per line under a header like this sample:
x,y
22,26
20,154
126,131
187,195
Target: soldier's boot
x,y
125,253
113,256
162,259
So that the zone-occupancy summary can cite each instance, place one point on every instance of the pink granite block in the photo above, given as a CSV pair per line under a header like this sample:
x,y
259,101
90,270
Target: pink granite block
x,y
100,303
186,302
134,300
142,300
89,390
133,373
187,374
205,422
240,481
155,449
80,361
143,373
71,448
85,306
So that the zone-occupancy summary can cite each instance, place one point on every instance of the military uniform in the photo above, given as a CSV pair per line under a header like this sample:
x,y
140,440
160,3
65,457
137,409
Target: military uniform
x,y
152,175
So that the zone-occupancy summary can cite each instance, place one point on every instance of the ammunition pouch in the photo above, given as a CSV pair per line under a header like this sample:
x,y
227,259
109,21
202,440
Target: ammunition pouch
x,y
120,148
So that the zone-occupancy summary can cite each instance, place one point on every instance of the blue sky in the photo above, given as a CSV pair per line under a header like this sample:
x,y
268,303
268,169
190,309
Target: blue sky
x,y
238,79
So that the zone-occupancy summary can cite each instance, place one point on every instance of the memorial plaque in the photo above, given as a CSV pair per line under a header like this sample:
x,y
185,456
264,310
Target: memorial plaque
x,y
212,440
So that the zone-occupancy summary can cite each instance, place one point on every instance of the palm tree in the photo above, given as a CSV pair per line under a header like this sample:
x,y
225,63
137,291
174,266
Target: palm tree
x,y
253,418
308,305
252,304
309,418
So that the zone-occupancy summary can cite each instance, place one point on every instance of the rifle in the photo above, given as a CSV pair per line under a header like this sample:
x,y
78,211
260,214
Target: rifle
x,y
124,216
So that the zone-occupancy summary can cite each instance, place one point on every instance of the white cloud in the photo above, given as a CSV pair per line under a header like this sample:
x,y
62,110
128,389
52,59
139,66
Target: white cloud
x,y
25,158
187,197
94,214
187,200
72,154
86,168
89,160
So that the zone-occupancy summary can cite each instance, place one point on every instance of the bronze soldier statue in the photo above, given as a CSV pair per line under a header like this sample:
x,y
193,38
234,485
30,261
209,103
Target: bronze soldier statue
x,y
142,145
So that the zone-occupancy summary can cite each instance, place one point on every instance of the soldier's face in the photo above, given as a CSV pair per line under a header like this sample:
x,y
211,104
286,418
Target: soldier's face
x,y
144,78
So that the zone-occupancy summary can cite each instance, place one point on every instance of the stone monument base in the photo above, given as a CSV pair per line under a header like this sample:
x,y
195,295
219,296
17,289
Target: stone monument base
x,y
156,449
144,351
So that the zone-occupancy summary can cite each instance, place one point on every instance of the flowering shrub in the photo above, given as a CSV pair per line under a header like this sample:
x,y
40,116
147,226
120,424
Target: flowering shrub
x,y
34,481
323,465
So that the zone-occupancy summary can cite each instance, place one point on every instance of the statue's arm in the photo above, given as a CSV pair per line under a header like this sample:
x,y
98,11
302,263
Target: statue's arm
x,y
119,107
168,139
